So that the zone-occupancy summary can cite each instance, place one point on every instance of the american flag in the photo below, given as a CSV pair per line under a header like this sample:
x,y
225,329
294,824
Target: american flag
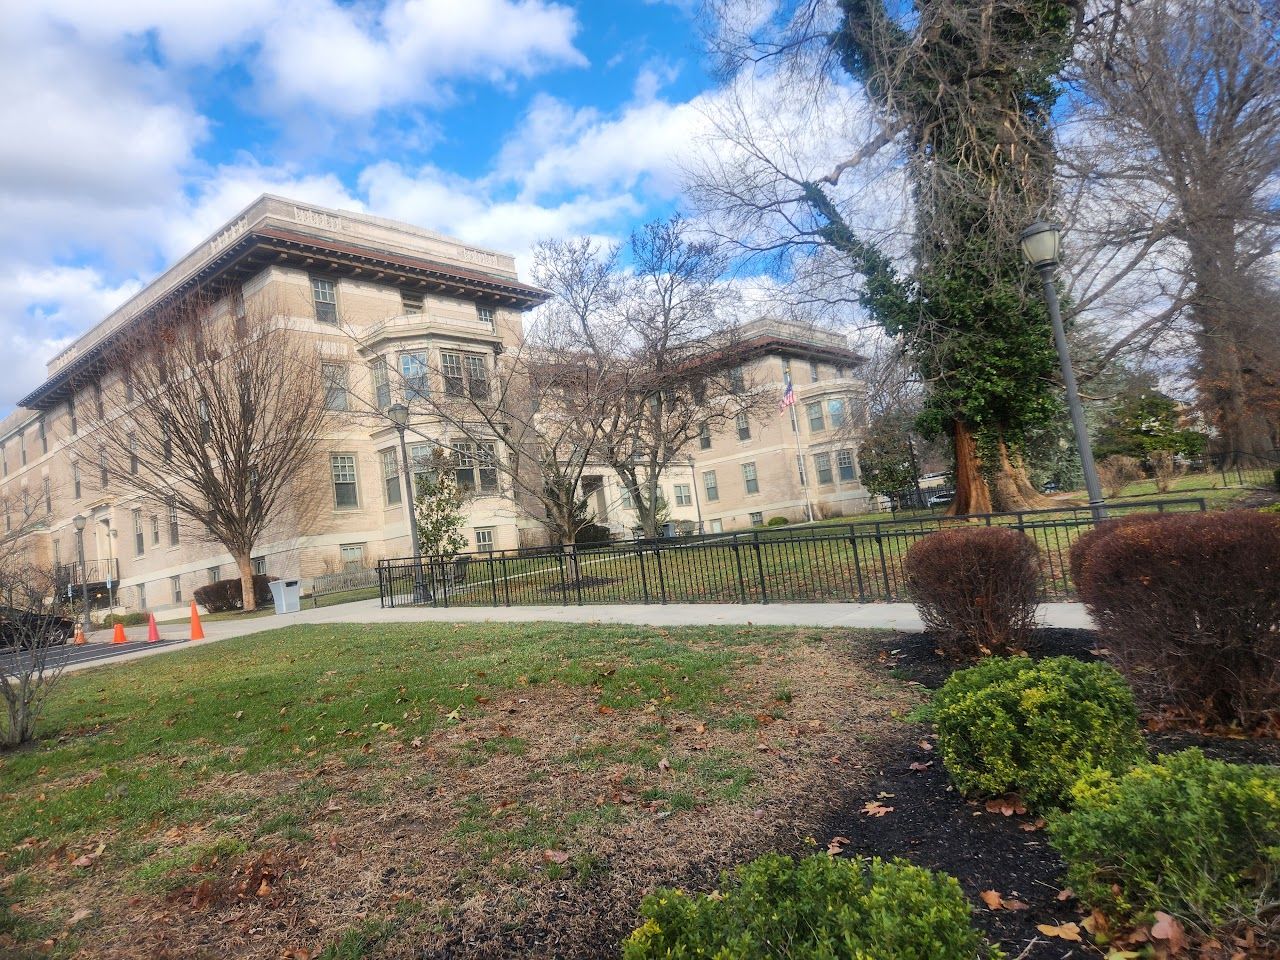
x,y
788,394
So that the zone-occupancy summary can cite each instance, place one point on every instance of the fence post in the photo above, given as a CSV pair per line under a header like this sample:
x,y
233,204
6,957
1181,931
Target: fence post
x,y
382,594
564,586
737,558
662,581
644,576
764,593
493,580
857,566
884,567
506,581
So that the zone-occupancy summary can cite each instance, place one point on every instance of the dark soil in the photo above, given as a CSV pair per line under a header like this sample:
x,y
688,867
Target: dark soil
x,y
933,826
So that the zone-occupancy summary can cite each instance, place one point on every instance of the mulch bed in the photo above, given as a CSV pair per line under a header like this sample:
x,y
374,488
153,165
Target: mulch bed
x,y
931,825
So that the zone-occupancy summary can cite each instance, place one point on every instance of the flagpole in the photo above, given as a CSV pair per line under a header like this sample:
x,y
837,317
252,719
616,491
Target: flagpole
x,y
789,407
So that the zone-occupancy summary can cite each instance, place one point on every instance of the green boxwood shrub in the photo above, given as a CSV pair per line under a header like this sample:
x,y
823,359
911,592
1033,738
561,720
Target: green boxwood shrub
x,y
1017,726
777,522
1194,837
817,908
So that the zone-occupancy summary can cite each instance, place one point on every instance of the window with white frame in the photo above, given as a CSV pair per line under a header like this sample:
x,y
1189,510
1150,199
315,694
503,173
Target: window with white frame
x,y
684,495
390,476
822,467
175,588
173,525
335,385
133,454
139,539
813,371
351,555
413,371
845,467
214,573
710,485
345,491
704,437
411,301
455,383
258,565
142,596
324,295
627,501
484,539
757,519
750,482
744,426
477,377
44,435
381,384
487,455
835,411
715,526
737,380
75,479
817,422
155,530
485,315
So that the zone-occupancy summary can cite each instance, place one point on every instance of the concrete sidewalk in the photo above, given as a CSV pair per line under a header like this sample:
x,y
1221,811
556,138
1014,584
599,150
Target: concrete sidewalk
x,y
889,616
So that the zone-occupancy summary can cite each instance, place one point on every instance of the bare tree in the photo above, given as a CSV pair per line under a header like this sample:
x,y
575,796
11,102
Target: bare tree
x,y
1184,96
681,348
217,420
31,620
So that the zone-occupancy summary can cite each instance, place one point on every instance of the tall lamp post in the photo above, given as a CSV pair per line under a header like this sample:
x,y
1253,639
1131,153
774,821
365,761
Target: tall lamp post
x,y
80,523
1041,243
399,415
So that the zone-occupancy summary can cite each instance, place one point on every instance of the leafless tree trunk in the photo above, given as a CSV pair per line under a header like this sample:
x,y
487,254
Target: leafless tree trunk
x,y
31,621
217,417
1185,99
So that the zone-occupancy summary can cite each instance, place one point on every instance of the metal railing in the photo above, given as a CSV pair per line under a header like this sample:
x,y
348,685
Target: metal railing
x,y
345,581
95,571
854,562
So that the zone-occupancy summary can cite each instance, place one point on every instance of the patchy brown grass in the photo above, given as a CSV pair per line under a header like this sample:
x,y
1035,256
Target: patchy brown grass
x,y
532,827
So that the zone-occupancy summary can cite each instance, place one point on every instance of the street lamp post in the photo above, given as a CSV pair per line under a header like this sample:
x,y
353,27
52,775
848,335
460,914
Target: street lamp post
x,y
80,523
1040,245
399,415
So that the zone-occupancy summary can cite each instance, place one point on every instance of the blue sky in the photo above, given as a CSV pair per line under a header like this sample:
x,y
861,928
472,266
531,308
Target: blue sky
x,y
133,128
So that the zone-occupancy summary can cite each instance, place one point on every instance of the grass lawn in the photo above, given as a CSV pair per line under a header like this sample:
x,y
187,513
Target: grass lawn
x,y
419,790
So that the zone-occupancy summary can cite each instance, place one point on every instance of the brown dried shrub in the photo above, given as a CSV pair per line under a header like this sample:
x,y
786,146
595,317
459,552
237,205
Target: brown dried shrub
x,y
1117,472
977,589
1189,607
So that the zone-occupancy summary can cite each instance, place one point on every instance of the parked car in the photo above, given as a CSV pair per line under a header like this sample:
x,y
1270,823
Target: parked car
x,y
942,499
21,626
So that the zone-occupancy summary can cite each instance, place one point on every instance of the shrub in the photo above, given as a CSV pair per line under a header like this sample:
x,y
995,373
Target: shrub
x,y
819,908
1194,837
977,588
777,522
1189,607
1117,472
1017,726
1164,469
127,619
223,595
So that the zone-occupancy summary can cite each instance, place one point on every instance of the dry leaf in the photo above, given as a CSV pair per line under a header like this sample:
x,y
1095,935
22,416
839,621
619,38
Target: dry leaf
x,y
1066,931
1168,929
875,809
992,899
918,766
837,845
664,765
81,914
555,856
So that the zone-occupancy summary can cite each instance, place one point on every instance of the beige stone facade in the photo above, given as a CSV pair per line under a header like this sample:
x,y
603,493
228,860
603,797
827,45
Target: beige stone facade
x,y
360,289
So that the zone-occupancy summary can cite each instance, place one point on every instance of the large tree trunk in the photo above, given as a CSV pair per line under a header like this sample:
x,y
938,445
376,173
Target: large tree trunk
x,y
1013,488
972,493
244,563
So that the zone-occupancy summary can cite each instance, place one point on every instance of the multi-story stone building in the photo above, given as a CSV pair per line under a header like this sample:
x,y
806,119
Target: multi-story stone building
x,y
374,295
800,462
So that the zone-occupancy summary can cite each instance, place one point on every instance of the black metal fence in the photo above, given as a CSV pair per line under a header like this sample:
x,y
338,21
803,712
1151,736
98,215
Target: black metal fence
x,y
824,563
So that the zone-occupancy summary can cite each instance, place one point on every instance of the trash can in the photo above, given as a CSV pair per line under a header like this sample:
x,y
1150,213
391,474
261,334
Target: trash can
x,y
287,595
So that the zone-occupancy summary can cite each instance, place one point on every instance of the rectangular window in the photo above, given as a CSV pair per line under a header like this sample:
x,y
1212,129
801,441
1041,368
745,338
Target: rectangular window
x,y
345,492
173,525
102,469
48,496
155,530
804,480
710,485
139,541
238,311
684,495
835,410
420,460
57,554
817,423
72,421
744,426
381,384
464,472
413,371
75,480
215,574
757,519
97,400
127,377
259,566
410,301
627,501
175,586
704,437
485,315
44,436
737,380
484,539
813,371
749,479
451,369
487,454
716,526
133,454
324,295
166,439
390,476
22,448
844,462
351,555
206,426
335,385
822,467
477,377
142,596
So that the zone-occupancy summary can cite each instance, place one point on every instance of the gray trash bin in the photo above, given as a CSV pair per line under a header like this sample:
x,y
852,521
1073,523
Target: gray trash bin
x,y
287,595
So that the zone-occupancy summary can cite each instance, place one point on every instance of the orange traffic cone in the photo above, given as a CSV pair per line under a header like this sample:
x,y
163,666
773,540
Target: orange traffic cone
x,y
118,636
197,631
79,640
153,632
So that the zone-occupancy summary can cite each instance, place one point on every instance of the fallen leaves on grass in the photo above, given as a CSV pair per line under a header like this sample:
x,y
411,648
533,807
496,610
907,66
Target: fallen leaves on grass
x,y
1006,806
1170,930
555,856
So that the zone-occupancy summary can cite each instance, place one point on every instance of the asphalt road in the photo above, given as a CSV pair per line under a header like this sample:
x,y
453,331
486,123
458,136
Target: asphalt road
x,y
69,654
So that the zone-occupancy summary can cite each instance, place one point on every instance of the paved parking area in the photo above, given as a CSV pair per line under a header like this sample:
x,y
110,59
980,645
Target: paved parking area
x,y
71,657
